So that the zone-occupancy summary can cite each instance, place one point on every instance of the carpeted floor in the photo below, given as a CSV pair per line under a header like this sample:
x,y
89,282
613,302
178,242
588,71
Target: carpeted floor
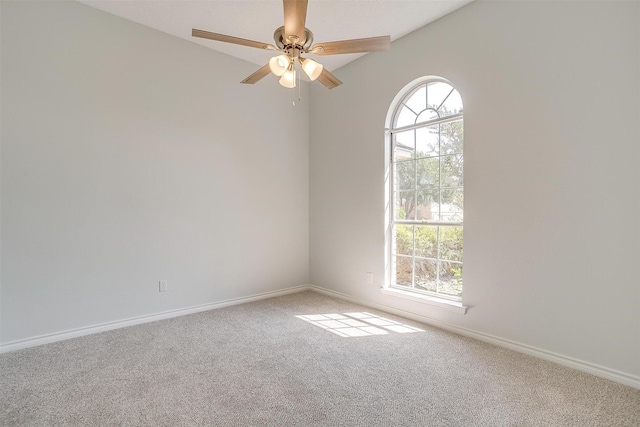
x,y
258,364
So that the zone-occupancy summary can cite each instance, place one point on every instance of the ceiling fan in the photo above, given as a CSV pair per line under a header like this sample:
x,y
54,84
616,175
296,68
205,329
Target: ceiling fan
x,y
293,40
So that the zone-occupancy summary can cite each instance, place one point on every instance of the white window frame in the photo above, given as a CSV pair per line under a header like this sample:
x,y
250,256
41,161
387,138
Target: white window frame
x,y
450,302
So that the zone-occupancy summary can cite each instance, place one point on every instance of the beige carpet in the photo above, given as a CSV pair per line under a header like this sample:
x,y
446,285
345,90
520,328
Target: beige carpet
x,y
259,364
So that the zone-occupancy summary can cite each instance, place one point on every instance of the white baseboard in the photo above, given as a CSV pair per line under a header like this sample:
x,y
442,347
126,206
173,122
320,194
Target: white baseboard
x,y
597,370
88,330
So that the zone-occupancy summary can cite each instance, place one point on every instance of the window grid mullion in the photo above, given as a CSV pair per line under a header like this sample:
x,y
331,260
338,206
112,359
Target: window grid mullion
x,y
452,118
439,205
438,261
415,209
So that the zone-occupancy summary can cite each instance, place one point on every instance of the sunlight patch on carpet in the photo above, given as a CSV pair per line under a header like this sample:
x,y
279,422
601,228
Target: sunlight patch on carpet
x,y
358,324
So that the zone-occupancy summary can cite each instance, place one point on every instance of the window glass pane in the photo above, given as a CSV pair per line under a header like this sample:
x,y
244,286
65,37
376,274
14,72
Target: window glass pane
x,y
450,278
398,211
427,141
425,275
426,241
428,206
426,115
404,145
450,243
405,175
404,239
451,137
451,169
418,101
403,270
405,118
405,205
436,93
452,105
451,208
428,172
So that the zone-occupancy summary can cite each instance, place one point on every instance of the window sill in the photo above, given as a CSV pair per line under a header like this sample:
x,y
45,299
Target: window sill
x,y
445,304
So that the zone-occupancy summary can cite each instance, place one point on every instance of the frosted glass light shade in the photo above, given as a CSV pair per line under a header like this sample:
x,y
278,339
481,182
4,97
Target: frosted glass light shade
x,y
288,79
279,64
311,68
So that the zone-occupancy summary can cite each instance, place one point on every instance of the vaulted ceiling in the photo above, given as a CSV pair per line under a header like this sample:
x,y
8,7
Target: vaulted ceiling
x,y
329,20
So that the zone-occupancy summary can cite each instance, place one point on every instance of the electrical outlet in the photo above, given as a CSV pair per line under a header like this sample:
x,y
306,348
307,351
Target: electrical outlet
x,y
370,278
163,286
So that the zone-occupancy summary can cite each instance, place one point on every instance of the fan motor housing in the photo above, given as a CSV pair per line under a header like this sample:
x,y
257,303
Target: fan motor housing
x,y
278,37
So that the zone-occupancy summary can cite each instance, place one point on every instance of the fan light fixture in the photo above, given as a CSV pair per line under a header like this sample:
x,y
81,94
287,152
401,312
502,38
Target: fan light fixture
x,y
283,66
288,78
279,64
311,68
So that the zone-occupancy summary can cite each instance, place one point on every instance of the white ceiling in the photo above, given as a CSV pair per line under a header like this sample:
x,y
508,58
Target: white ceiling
x,y
329,20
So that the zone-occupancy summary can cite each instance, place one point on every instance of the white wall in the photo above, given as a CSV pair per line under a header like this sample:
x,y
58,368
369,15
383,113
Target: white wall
x,y
552,108
130,156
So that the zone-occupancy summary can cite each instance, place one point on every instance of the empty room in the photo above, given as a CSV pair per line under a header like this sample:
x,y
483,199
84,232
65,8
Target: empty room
x,y
319,213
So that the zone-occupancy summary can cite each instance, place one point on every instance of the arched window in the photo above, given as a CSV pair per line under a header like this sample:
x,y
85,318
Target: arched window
x,y
426,189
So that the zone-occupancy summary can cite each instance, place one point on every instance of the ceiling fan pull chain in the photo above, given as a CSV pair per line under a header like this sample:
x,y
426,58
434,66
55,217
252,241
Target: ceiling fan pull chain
x,y
299,89
293,101
293,92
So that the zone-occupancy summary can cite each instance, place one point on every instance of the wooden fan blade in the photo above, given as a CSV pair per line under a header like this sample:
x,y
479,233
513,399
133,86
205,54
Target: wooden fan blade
x,y
257,76
328,79
371,44
230,39
295,15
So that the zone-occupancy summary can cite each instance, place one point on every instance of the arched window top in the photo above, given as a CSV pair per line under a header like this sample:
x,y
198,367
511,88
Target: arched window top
x,y
432,99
